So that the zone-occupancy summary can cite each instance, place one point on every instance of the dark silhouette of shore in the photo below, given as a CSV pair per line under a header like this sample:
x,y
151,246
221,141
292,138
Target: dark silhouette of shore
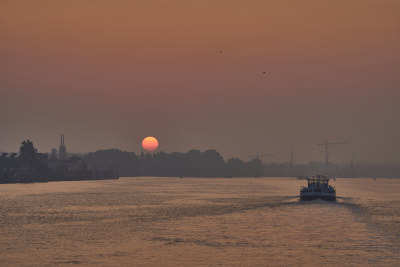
x,y
30,166
210,163
194,163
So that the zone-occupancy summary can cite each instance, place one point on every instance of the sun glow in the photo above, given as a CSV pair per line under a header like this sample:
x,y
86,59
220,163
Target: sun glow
x,y
150,143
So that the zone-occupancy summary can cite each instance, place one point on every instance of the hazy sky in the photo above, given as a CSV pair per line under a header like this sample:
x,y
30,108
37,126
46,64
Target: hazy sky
x,y
108,73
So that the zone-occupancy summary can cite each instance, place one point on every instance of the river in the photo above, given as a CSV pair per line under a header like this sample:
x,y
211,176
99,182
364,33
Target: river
x,y
153,221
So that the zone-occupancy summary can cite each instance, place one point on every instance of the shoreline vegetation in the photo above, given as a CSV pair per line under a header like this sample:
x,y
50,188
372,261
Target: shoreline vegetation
x,y
30,166
210,163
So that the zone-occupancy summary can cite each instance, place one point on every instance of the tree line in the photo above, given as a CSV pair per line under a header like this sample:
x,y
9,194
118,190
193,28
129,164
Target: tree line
x,y
194,163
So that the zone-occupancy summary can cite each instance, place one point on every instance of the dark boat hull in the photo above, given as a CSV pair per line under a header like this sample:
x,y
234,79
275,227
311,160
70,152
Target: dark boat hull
x,y
327,198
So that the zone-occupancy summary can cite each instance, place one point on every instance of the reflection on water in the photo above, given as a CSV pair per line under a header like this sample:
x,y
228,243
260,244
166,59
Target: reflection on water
x,y
198,221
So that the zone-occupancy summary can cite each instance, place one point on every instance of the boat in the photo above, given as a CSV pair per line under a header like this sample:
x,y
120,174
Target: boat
x,y
318,187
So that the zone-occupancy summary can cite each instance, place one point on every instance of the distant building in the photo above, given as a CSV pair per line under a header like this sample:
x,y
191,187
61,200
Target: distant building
x,y
66,167
63,149
18,167
12,165
40,167
53,154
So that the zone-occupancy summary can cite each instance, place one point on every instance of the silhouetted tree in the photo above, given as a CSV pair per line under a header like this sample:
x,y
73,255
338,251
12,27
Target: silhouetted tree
x,y
191,163
28,149
212,164
176,164
34,169
194,163
125,163
254,168
234,167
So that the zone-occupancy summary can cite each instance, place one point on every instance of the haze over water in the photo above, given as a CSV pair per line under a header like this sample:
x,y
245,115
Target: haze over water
x,y
236,76
149,221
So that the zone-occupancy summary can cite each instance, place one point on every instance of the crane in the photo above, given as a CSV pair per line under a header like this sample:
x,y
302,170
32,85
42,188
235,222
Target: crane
x,y
326,145
257,155
353,174
352,160
291,157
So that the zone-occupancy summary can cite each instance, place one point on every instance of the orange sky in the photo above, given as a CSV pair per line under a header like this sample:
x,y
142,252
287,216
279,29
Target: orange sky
x,y
108,73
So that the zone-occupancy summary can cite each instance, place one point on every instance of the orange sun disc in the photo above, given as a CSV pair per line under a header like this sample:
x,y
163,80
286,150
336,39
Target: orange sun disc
x,y
150,143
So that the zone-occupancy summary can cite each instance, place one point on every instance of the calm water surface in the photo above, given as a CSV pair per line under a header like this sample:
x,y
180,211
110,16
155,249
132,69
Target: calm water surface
x,y
198,222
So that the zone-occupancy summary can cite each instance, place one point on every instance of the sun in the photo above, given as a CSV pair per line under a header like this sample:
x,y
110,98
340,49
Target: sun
x,y
150,143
